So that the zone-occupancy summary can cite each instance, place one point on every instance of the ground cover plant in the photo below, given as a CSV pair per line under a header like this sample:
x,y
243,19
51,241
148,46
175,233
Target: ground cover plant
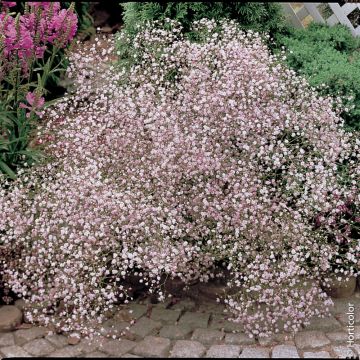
x,y
205,153
329,58
32,46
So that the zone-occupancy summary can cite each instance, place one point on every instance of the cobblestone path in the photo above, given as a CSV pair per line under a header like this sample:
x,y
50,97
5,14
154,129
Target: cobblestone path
x,y
189,329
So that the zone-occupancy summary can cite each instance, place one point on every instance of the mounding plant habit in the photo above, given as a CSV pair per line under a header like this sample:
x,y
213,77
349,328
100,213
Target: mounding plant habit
x,y
206,152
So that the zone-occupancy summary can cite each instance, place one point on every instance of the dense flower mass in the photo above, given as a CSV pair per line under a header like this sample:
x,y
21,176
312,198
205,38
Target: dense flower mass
x,y
207,154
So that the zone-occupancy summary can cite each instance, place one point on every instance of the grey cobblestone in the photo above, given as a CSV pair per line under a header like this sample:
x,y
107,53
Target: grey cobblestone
x,y
175,332
152,346
219,322
25,335
207,336
343,352
187,349
337,337
324,324
239,339
356,348
316,355
145,326
14,351
130,356
267,341
58,341
90,345
10,317
311,340
39,347
67,351
194,334
167,316
255,352
195,320
95,354
137,310
118,347
185,304
7,339
285,351
223,351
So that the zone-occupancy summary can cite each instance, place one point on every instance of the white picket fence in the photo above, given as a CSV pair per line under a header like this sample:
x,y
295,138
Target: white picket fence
x,y
300,14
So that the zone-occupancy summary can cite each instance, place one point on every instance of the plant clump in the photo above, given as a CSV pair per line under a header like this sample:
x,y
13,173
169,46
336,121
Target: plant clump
x,y
205,153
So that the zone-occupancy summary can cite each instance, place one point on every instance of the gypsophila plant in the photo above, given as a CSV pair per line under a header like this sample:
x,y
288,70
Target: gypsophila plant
x,y
210,152
262,17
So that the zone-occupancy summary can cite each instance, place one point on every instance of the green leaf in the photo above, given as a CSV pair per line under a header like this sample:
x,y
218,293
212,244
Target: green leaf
x,y
7,170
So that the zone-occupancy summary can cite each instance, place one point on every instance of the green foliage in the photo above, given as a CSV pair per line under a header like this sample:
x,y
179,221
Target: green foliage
x,y
261,17
330,56
16,131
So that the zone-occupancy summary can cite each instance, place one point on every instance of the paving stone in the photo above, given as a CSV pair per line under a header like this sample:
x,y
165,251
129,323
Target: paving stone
x,y
356,348
212,308
239,339
95,354
20,304
344,317
255,352
93,344
187,349
324,324
195,320
145,326
130,356
186,304
124,315
223,351
112,327
311,340
207,336
341,306
57,340
7,339
267,341
137,310
285,351
317,355
152,346
14,351
343,352
337,337
67,351
167,316
219,322
10,317
39,347
175,332
118,347
26,335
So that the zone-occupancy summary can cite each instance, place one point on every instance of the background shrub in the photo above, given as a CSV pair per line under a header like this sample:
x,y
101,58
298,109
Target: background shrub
x,y
261,17
330,56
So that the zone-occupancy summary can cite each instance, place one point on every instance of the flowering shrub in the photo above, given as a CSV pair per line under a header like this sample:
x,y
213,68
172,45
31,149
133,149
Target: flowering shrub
x,y
30,47
205,153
